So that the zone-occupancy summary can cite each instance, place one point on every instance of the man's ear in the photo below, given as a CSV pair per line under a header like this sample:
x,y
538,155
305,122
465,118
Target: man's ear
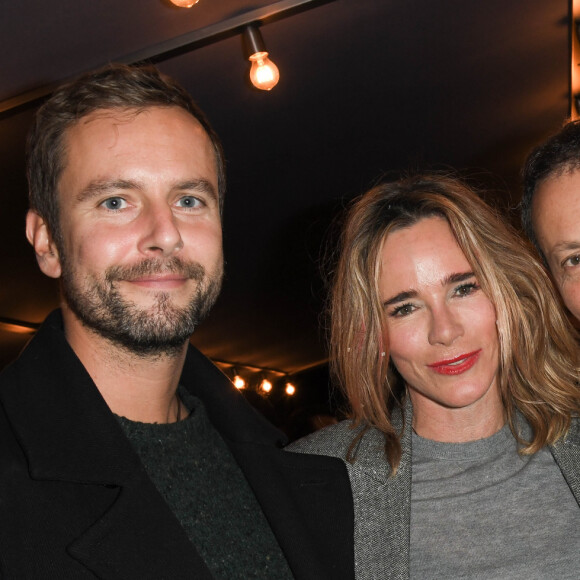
x,y
40,238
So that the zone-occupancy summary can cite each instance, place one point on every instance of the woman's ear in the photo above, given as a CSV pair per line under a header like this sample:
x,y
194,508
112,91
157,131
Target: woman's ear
x,y
40,238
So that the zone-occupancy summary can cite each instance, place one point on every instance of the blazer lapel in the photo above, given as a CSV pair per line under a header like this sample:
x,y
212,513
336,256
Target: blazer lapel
x,y
382,505
566,452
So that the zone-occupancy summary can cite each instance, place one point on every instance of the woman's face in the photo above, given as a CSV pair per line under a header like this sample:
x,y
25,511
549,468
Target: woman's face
x,y
441,330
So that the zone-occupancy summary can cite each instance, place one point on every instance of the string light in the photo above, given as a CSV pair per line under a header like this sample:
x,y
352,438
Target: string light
x,y
262,380
239,383
265,386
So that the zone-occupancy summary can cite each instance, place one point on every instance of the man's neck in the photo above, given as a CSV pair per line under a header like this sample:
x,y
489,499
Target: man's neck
x,y
139,387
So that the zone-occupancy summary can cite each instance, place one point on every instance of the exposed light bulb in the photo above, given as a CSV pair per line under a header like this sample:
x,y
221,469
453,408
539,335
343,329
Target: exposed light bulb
x,y
264,73
290,389
239,383
266,386
184,3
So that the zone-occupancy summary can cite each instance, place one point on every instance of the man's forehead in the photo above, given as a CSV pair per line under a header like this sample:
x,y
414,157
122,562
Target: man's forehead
x,y
123,115
556,212
116,117
564,183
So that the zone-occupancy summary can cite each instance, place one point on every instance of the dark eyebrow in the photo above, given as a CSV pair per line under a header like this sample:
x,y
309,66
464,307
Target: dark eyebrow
x,y
454,278
96,188
201,185
451,279
565,245
400,297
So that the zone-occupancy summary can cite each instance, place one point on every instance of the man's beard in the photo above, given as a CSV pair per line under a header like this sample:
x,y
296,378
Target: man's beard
x,y
161,329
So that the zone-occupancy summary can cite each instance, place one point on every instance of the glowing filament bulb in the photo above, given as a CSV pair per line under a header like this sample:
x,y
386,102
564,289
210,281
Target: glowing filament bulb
x,y
184,3
290,389
264,73
239,383
266,386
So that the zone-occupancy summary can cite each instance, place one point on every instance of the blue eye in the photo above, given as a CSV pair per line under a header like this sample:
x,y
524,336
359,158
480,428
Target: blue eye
x,y
189,201
114,203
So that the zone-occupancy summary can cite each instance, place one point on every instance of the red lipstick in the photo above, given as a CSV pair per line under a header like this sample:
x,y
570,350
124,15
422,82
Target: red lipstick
x,y
457,365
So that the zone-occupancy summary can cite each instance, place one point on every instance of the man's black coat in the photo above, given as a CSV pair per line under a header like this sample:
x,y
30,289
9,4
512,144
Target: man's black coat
x,y
76,502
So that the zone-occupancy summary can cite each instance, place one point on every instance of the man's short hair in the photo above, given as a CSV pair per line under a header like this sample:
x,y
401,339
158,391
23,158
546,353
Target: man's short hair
x,y
115,86
558,155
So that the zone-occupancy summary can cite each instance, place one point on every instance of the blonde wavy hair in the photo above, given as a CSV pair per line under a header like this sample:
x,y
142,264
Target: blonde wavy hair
x,y
538,369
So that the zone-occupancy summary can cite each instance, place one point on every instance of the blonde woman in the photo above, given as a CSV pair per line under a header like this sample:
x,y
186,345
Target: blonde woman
x,y
460,369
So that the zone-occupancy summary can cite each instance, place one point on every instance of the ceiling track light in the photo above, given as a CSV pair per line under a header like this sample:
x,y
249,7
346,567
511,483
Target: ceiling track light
x,y
264,74
177,45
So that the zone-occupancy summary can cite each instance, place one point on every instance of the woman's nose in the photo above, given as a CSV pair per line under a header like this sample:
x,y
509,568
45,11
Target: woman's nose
x,y
445,326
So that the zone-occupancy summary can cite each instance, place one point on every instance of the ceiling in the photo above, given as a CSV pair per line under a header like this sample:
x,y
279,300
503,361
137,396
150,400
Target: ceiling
x,y
368,88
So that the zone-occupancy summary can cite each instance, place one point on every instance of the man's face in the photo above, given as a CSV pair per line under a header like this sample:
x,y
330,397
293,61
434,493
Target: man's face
x,y
556,221
141,257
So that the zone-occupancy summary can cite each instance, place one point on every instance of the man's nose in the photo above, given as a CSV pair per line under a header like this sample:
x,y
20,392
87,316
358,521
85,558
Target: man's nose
x,y
160,231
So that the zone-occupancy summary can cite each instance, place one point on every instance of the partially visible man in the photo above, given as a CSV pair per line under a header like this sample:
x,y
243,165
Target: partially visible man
x,y
124,453
551,209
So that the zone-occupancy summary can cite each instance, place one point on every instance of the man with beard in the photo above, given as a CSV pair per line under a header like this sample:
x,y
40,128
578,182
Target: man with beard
x,y
124,453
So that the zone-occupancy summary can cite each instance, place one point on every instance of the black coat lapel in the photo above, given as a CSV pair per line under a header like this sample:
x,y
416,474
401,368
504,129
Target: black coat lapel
x,y
139,539
308,503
